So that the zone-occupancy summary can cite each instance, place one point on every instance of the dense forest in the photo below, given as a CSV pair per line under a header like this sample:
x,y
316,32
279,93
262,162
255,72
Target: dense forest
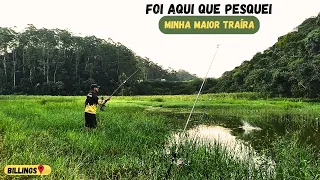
x,y
57,62
290,68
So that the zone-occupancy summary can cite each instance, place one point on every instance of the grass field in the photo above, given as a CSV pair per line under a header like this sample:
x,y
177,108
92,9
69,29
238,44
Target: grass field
x,y
132,134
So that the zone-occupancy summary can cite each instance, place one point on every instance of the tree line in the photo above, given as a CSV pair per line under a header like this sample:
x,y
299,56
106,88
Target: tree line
x,y
290,68
57,62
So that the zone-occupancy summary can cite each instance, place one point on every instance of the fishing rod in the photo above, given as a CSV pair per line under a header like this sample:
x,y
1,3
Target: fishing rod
x,y
103,106
123,83
185,127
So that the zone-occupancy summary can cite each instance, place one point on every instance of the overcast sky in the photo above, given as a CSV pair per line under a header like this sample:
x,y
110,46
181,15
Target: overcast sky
x,y
126,22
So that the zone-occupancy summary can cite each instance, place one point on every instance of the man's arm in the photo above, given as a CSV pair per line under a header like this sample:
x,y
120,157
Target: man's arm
x,y
95,99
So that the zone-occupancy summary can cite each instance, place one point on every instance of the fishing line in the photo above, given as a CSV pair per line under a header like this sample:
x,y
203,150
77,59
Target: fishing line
x,y
202,116
185,127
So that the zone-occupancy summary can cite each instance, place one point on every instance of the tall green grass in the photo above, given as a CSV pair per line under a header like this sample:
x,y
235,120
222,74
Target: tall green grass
x,y
130,140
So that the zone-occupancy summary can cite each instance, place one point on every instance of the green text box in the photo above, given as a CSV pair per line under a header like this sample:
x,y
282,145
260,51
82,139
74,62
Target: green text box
x,y
209,24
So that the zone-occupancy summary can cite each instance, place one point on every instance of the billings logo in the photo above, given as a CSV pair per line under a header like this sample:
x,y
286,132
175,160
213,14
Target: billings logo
x,y
27,170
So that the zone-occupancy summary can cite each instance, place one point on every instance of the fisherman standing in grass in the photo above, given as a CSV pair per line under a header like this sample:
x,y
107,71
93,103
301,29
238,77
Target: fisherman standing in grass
x,y
91,104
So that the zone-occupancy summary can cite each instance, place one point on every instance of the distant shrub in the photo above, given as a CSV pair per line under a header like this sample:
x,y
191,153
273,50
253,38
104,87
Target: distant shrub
x,y
43,102
157,99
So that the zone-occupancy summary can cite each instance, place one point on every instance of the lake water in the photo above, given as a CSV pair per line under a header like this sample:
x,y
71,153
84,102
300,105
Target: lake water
x,y
213,135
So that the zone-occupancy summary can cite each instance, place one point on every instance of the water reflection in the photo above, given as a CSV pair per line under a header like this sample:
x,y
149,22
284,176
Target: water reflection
x,y
272,128
266,129
236,148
